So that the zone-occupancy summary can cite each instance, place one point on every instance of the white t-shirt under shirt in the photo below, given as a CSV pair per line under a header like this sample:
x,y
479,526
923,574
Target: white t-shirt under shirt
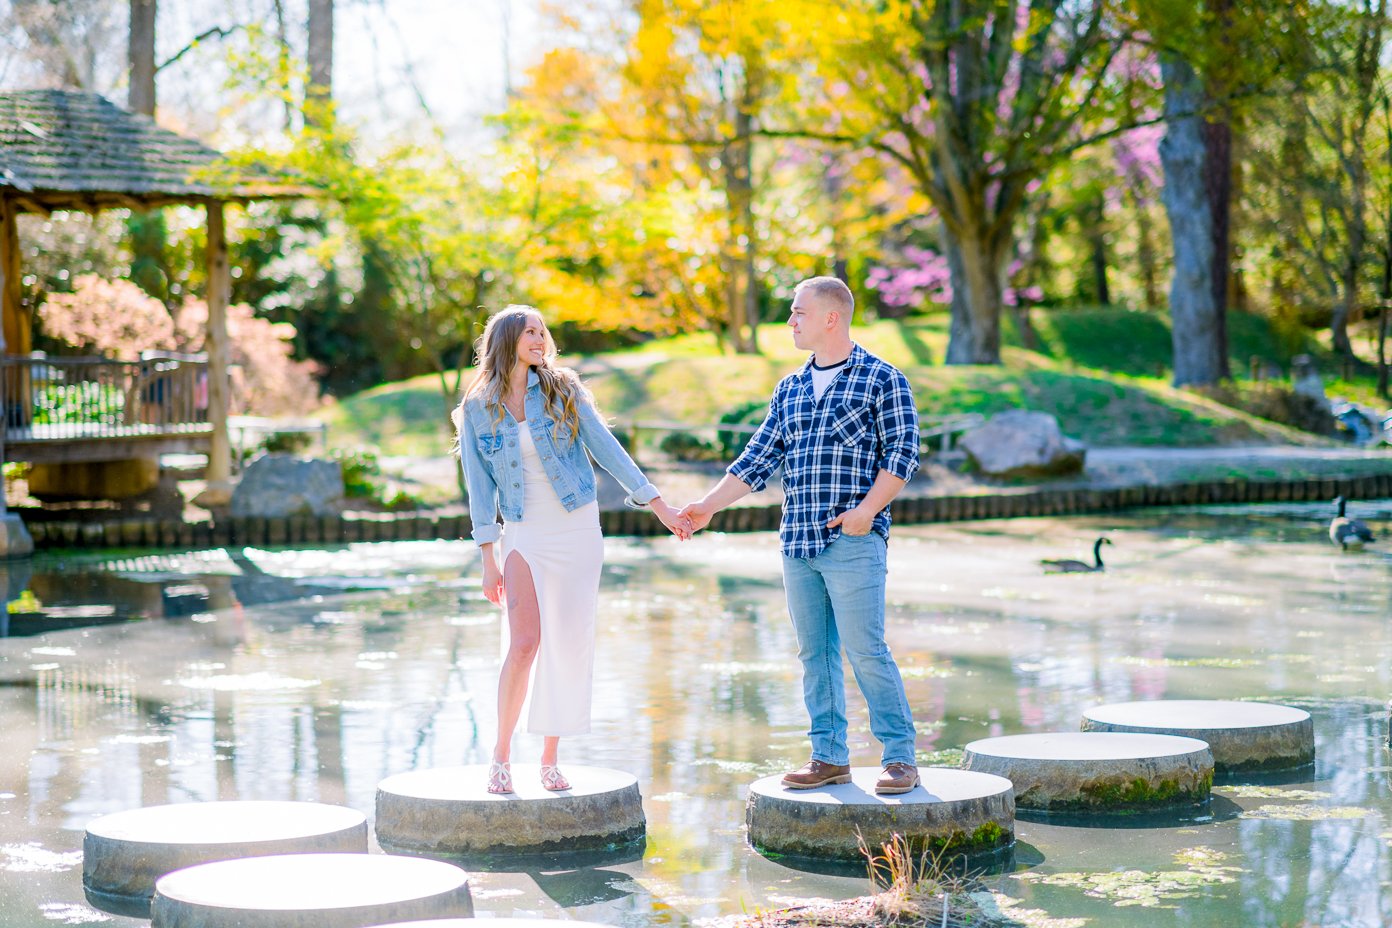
x,y
823,376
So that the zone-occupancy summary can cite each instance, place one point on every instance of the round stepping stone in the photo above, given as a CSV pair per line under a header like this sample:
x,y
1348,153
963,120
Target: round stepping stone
x,y
955,811
1243,736
310,891
123,854
448,810
493,923
1097,771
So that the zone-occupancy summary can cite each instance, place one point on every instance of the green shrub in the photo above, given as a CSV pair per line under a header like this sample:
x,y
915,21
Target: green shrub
x,y
732,442
687,447
361,472
287,442
363,480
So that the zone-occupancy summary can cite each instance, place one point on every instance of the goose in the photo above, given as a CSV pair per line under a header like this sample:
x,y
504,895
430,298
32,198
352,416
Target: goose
x,y
1348,533
1079,567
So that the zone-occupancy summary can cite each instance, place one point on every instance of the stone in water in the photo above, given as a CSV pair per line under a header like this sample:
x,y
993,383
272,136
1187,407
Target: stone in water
x,y
1243,736
1097,771
953,811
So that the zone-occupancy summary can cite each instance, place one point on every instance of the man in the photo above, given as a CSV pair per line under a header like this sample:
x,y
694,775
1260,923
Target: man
x,y
845,429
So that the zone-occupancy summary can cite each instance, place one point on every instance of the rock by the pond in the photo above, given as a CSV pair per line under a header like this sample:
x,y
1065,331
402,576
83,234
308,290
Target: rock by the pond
x,y
310,891
1097,771
1243,736
954,812
279,485
1023,443
449,811
124,853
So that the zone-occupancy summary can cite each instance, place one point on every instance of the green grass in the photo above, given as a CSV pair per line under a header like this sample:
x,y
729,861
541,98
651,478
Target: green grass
x,y
1103,372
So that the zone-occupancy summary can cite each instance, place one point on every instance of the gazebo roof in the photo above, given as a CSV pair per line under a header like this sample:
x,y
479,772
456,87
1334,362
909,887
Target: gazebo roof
x,y
67,150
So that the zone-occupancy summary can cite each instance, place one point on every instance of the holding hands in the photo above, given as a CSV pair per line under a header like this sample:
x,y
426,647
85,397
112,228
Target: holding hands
x,y
675,520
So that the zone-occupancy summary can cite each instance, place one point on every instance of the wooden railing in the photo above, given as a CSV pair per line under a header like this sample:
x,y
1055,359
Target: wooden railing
x,y
67,399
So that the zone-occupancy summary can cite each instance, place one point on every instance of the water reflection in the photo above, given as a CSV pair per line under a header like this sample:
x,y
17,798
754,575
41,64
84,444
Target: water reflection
x,y
312,675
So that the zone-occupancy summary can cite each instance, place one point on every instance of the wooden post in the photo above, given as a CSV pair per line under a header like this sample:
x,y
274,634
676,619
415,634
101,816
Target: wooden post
x,y
18,325
14,538
219,489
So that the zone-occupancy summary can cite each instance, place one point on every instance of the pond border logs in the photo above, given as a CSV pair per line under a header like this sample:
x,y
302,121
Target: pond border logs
x,y
421,525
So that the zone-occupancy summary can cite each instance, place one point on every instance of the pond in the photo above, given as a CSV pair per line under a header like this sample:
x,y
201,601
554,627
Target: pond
x,y
313,674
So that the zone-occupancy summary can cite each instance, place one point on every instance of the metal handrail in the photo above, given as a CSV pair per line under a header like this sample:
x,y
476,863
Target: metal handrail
x,y
67,398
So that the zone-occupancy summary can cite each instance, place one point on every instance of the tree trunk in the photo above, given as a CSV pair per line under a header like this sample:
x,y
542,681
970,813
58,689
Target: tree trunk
x,y
1097,235
321,42
141,98
975,267
1197,322
1145,255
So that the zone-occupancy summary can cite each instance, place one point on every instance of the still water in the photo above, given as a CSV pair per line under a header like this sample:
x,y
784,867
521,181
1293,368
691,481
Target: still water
x,y
313,674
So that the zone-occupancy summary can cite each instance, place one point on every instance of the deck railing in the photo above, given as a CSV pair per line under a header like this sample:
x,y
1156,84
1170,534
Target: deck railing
x,y
66,399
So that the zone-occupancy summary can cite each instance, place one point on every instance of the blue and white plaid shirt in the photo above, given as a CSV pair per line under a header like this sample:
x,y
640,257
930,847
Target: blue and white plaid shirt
x,y
832,449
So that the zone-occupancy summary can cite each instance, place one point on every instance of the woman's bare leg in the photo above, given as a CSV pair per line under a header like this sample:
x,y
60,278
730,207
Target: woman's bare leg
x,y
524,627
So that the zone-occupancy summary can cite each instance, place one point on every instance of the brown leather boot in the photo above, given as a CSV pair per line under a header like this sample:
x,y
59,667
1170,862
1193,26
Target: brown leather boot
x,y
816,773
897,778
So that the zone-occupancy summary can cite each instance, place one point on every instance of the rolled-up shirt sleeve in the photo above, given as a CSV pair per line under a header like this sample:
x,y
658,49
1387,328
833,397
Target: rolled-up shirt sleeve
x,y
897,423
764,452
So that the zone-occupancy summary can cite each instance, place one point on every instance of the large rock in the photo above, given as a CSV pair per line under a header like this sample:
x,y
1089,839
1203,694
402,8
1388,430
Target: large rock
x,y
1022,443
278,485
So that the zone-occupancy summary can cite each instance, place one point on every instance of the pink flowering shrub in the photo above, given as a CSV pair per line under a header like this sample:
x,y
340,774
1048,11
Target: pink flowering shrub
x,y
927,277
108,317
117,319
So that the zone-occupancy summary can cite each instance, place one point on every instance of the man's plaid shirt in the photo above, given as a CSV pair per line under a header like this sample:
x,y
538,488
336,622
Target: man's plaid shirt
x,y
832,449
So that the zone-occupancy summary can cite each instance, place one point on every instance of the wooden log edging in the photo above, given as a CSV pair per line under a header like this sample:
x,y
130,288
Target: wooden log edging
x,y
426,525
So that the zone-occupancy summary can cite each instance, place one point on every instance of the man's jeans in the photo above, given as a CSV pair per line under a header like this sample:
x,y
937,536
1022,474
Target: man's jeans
x,y
836,598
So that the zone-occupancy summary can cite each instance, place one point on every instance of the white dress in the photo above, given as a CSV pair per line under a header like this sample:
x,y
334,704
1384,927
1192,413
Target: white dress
x,y
565,552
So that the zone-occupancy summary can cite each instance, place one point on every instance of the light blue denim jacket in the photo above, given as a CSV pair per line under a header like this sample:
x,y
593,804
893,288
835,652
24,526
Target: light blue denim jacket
x,y
491,456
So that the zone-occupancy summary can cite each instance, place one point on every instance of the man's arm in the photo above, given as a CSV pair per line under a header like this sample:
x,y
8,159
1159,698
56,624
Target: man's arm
x,y
858,519
727,491
749,472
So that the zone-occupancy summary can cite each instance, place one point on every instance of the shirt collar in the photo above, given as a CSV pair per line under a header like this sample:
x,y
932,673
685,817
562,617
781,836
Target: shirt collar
x,y
532,378
857,356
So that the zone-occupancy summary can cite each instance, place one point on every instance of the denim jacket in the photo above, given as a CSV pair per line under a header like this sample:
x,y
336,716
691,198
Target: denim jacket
x,y
491,456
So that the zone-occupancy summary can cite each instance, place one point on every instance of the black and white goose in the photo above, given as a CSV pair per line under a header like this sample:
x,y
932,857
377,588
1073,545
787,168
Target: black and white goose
x,y
1079,567
1348,533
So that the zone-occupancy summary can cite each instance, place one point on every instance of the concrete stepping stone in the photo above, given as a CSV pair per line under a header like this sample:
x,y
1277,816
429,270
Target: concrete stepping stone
x,y
1097,771
956,811
310,891
123,854
494,923
1243,736
449,811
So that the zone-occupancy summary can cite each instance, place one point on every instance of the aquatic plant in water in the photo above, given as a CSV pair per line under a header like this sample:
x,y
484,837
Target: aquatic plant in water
x,y
1202,867
1253,791
1304,813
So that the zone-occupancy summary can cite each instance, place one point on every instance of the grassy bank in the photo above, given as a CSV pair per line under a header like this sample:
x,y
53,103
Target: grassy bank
x,y
1103,372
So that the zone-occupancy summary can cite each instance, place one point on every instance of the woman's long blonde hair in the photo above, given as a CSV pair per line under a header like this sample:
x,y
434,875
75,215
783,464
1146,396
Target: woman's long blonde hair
x,y
496,354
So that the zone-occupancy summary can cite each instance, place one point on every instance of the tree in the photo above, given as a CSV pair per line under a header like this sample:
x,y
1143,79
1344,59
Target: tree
x,y
978,100
699,82
1215,59
141,98
320,55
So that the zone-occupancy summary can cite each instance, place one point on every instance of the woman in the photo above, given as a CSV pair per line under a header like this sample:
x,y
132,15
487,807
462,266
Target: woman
x,y
525,426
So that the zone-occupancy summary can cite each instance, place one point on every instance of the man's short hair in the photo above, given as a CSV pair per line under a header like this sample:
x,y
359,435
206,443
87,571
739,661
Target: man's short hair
x,y
831,289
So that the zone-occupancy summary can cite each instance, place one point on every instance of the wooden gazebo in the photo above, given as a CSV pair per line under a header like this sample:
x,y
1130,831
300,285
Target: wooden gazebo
x,y
61,150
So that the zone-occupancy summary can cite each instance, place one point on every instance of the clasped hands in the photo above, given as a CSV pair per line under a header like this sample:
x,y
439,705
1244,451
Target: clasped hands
x,y
693,517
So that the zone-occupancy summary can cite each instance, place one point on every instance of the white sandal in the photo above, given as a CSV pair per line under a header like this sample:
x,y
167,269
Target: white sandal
x,y
551,779
499,778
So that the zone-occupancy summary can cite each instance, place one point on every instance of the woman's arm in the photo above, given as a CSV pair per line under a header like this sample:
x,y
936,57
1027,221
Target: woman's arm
x,y
611,456
492,575
483,491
